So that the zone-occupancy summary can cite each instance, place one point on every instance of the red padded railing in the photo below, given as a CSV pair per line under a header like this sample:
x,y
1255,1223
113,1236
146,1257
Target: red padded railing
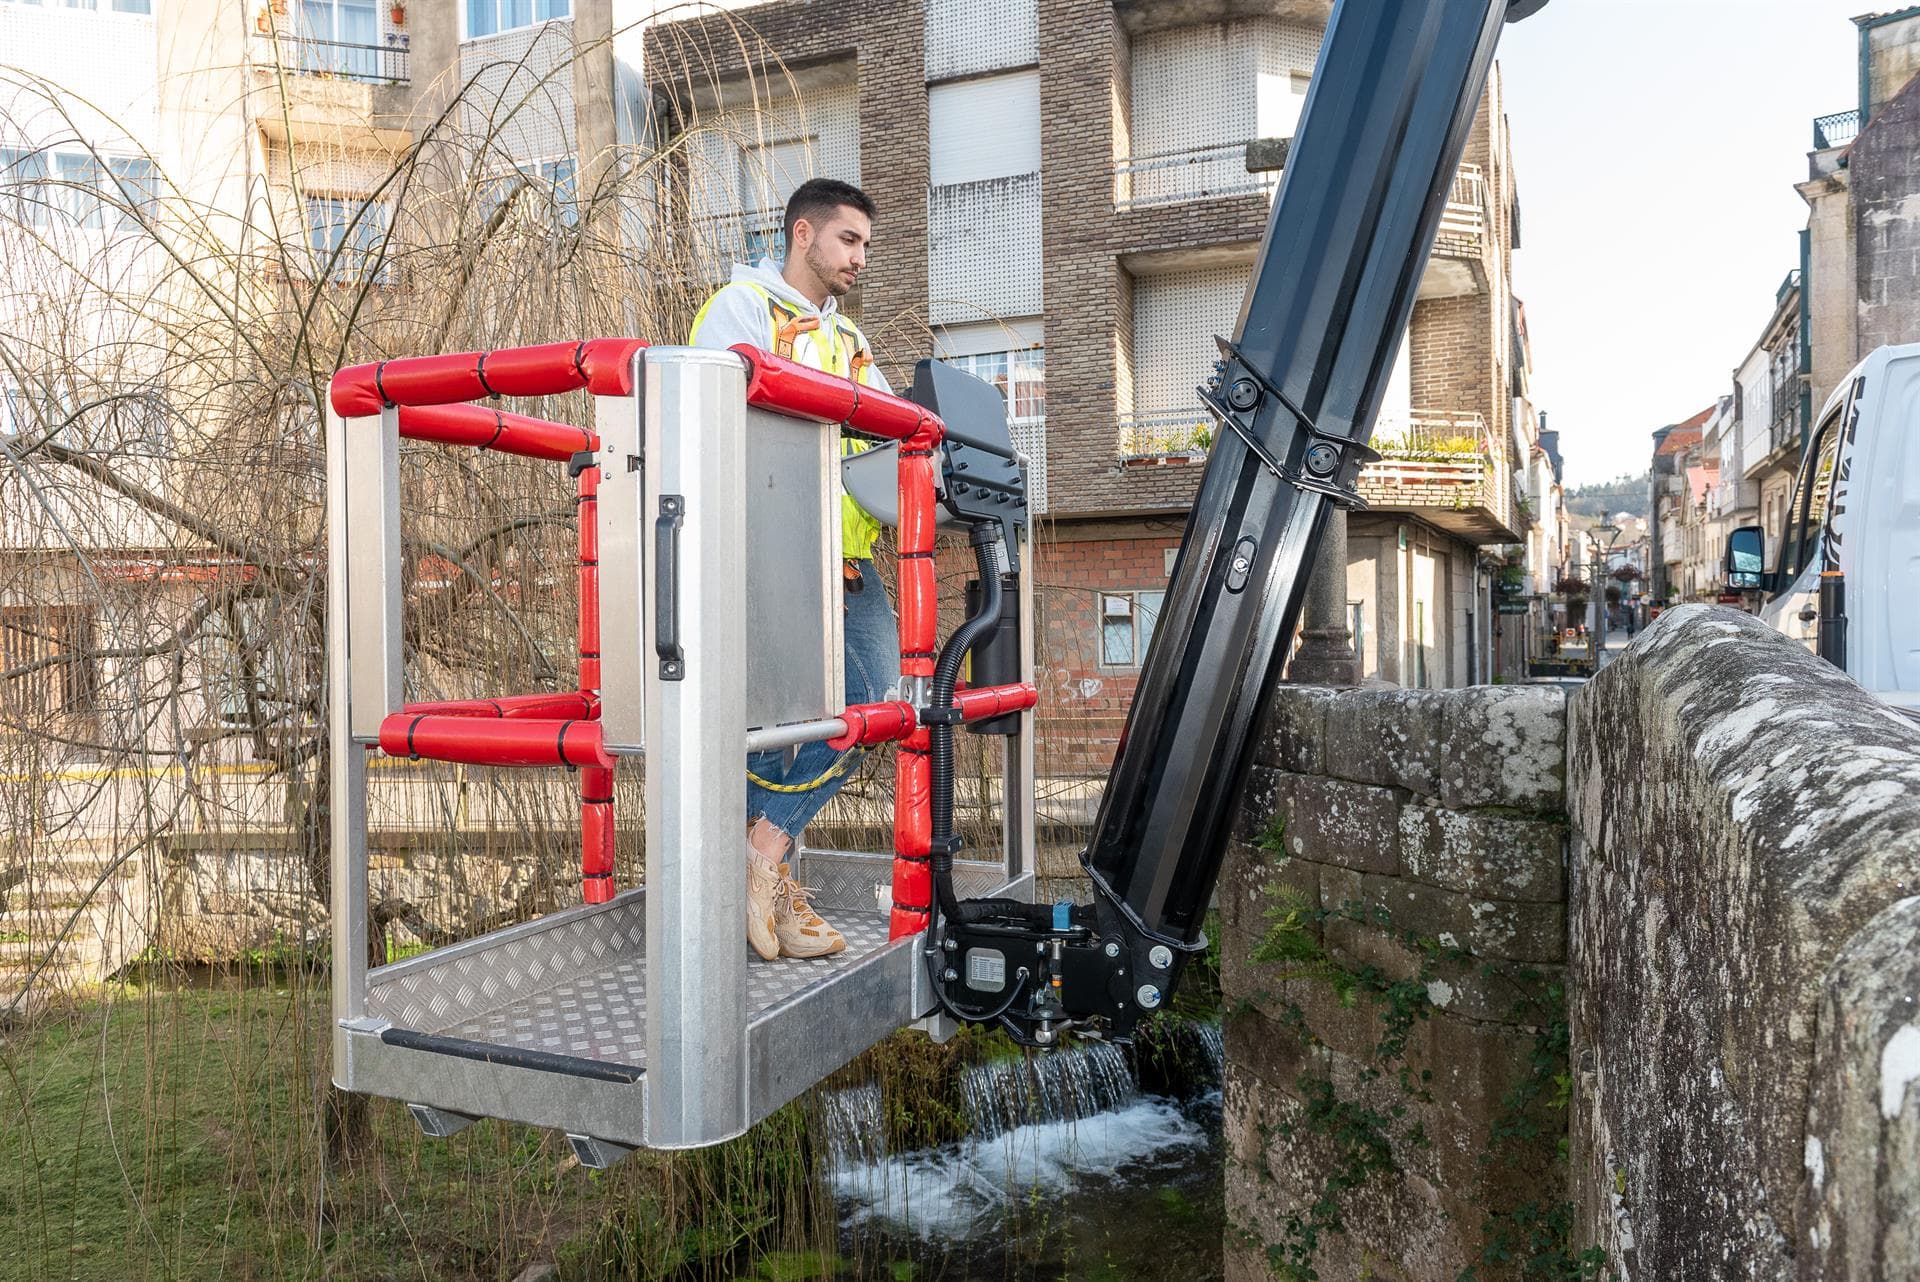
x,y
604,366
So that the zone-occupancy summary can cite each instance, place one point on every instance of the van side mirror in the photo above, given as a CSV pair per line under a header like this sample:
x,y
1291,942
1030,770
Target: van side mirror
x,y
1746,551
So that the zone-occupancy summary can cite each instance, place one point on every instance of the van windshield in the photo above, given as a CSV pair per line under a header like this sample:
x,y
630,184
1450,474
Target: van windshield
x,y
1812,491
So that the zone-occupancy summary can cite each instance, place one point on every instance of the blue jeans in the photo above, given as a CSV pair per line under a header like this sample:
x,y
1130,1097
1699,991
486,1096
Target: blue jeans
x,y
872,668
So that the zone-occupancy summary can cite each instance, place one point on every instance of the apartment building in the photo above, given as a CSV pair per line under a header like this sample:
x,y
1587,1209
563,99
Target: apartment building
x,y
1066,208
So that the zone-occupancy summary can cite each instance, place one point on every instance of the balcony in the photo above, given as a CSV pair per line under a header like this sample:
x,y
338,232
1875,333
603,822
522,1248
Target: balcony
x,y
1165,437
1195,173
1446,469
1458,264
1837,130
336,60
328,91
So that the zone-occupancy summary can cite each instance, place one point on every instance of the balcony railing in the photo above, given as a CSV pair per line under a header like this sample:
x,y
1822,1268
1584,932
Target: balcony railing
x,y
1464,223
1030,438
300,55
1439,434
1837,130
1787,286
1165,434
1195,173
1447,465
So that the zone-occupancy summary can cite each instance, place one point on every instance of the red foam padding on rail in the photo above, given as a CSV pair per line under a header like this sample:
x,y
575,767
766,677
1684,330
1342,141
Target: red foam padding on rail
x,y
490,429
495,742
604,366
788,387
994,701
596,836
871,723
564,706
912,837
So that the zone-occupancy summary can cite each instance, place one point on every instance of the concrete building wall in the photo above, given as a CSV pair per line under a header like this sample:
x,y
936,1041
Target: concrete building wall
x,y
1885,174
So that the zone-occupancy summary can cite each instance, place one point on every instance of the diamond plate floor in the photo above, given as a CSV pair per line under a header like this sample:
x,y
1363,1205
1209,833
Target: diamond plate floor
x,y
602,1015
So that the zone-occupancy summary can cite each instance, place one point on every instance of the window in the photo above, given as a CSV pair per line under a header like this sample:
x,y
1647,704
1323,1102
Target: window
x,y
85,190
347,237
490,17
1021,377
1127,620
55,644
23,186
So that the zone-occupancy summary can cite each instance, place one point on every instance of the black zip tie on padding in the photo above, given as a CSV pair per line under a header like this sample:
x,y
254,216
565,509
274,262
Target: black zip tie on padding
x,y
911,908
480,372
906,453
584,562
499,428
379,372
412,753
589,654
596,801
579,360
854,408
914,556
913,859
918,654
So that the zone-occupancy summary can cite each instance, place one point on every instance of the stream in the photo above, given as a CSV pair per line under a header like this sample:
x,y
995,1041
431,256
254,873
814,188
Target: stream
x,y
1073,1171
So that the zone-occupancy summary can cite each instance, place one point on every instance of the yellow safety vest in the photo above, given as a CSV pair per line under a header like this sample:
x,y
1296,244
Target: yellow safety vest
x,y
795,335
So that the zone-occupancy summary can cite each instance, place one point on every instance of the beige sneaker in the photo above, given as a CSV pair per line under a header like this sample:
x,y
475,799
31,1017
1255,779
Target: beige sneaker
x,y
763,885
801,931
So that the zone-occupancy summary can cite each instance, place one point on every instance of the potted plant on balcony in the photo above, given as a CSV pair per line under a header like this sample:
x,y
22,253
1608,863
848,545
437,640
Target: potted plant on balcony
x,y
397,15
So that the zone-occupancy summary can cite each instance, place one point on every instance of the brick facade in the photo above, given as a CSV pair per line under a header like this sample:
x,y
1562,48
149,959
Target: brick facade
x,y
1110,521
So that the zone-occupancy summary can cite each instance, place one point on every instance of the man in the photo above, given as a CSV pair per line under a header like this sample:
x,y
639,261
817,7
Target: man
x,y
792,309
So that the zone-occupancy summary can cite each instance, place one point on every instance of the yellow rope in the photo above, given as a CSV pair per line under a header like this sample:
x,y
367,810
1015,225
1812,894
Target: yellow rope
x,y
834,771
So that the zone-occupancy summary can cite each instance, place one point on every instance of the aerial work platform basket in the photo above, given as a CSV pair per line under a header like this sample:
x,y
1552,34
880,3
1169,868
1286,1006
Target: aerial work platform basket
x,y
710,626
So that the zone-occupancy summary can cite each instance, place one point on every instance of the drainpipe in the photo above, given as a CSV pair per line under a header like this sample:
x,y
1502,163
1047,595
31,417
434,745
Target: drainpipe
x,y
1806,336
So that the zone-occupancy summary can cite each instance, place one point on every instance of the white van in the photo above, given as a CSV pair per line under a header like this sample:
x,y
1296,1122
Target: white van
x,y
1846,578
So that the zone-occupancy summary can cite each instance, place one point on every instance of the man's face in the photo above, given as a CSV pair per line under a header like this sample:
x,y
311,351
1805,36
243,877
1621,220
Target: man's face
x,y
836,251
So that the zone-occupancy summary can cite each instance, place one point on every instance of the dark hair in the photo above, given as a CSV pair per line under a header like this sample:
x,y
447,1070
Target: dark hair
x,y
817,197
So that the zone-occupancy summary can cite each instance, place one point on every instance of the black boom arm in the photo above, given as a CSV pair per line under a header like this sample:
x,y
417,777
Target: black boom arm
x,y
1296,392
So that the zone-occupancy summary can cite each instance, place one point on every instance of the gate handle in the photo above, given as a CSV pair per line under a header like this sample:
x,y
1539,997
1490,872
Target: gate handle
x,y
666,588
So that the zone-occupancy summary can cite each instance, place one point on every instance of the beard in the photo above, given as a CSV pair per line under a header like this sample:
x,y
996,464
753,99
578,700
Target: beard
x,y
825,273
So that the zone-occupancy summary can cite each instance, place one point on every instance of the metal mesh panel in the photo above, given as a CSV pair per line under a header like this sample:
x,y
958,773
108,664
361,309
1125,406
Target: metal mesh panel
x,y
522,91
1175,319
983,243
105,64
1200,93
967,37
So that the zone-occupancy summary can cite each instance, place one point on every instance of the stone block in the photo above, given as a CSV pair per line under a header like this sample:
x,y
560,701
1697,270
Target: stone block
x,y
1265,804
1253,886
1860,1209
1505,746
1500,929
1295,734
1483,854
1387,737
1262,1046
1350,825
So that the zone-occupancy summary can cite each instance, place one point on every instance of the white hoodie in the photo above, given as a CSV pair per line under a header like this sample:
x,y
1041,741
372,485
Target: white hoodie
x,y
738,313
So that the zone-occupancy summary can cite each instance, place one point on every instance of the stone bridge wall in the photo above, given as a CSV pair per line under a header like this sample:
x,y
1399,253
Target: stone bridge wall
x,y
1734,1073
1395,908
1745,961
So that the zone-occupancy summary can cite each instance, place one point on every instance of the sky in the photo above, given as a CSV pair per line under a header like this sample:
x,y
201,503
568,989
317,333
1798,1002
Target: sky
x,y
1656,144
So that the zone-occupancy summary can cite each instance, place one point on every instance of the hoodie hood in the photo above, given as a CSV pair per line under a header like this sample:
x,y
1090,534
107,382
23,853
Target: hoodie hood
x,y
766,274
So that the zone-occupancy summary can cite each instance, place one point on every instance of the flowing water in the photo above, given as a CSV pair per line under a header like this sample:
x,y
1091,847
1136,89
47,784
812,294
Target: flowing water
x,y
1072,1171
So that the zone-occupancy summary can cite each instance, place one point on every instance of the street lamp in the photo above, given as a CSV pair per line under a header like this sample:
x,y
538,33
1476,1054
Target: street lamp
x,y
1597,587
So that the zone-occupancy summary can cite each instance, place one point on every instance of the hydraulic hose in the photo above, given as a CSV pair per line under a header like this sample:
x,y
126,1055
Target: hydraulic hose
x,y
990,556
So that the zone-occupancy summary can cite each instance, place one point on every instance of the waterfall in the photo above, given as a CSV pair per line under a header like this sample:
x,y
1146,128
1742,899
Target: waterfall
x,y
1059,1086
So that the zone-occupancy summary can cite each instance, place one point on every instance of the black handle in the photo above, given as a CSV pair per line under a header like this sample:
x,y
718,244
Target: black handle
x,y
666,588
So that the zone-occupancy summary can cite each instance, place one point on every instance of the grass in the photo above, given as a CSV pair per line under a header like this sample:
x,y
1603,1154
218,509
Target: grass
x,y
179,1134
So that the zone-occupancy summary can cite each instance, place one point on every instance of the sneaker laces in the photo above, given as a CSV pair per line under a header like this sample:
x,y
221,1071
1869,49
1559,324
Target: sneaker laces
x,y
797,902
